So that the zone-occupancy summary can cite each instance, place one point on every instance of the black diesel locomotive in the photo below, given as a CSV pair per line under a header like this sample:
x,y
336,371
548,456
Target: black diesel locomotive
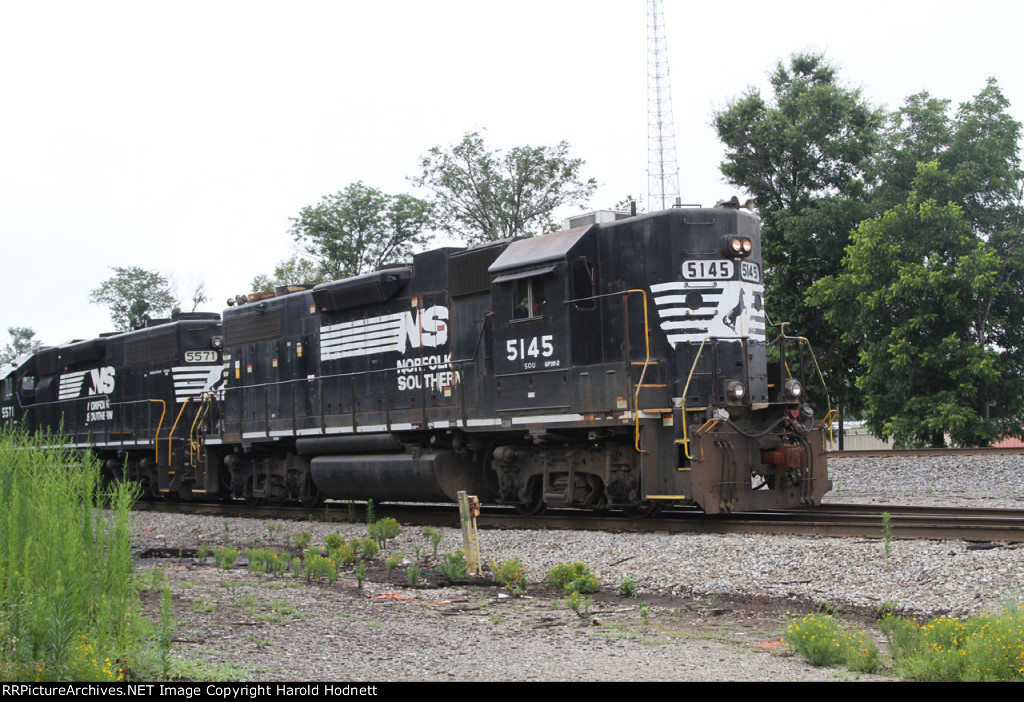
x,y
138,400
620,364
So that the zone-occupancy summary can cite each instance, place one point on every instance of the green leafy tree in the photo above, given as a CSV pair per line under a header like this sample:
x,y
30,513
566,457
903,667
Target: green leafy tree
x,y
356,231
483,195
199,295
296,270
932,290
627,203
22,342
802,155
976,150
134,295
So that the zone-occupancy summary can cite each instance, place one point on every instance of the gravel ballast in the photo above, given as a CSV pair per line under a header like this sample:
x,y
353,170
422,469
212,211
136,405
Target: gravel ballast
x,y
716,604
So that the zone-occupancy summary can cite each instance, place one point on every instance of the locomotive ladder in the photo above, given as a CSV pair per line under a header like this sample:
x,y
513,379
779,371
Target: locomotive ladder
x,y
709,424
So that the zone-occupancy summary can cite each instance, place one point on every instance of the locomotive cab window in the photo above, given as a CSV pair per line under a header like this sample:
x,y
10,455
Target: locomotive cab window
x,y
584,285
528,300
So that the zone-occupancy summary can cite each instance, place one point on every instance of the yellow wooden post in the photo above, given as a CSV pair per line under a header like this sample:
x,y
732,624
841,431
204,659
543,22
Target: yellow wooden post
x,y
469,510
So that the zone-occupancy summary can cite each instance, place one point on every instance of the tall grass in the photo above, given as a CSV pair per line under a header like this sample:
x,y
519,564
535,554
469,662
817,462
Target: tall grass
x,y
68,608
989,647
824,641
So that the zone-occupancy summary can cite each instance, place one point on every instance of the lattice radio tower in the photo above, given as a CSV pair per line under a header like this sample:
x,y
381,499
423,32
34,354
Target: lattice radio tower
x,y
662,168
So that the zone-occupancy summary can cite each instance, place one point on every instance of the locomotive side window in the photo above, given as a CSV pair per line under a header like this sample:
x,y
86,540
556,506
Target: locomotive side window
x,y
584,287
528,298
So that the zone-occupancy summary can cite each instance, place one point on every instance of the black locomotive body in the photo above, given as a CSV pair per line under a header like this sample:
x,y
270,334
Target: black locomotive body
x,y
615,365
139,400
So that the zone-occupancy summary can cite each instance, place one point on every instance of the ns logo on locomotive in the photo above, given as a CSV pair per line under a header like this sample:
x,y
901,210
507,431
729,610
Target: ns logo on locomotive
x,y
622,363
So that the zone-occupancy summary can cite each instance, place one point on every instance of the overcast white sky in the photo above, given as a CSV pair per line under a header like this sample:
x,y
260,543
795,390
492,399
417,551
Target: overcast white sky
x,y
181,136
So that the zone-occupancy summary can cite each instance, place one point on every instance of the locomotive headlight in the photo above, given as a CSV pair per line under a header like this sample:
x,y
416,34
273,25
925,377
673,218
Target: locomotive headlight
x,y
794,390
735,391
736,246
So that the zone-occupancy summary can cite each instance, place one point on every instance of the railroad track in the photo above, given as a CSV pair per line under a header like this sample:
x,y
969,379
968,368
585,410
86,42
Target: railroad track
x,y
893,453
833,520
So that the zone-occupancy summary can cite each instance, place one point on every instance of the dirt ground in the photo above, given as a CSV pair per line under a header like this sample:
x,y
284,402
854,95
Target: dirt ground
x,y
237,625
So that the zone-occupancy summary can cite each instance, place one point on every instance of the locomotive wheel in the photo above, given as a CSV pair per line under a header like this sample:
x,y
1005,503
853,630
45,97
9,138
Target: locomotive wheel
x,y
536,503
250,499
310,497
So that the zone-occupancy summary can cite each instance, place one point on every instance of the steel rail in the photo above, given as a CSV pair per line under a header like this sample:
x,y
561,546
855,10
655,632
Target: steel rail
x,y
860,521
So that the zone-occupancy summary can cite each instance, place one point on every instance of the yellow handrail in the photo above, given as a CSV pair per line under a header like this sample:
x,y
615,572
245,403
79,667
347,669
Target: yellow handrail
x,y
170,436
686,438
156,439
643,373
829,418
194,447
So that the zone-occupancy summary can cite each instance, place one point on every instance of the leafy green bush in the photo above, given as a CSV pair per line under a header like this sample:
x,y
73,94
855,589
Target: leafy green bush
x,y
316,567
628,586
384,529
453,565
412,574
367,547
983,648
510,573
302,539
390,563
345,554
225,556
266,561
825,642
573,577
578,604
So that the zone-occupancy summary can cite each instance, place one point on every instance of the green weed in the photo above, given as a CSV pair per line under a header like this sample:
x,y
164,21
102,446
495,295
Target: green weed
x,y
434,536
573,577
384,529
302,539
69,608
511,574
412,574
984,648
225,557
453,565
391,562
825,642
628,587
578,603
